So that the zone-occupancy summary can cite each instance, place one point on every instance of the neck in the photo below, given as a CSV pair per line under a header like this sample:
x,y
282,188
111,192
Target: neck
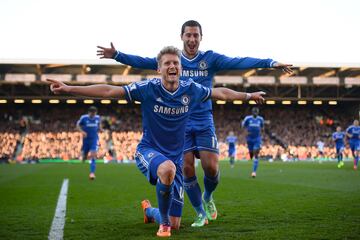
x,y
188,55
170,86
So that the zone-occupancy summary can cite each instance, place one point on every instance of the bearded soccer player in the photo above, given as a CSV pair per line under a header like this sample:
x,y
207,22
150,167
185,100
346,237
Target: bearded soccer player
x,y
200,135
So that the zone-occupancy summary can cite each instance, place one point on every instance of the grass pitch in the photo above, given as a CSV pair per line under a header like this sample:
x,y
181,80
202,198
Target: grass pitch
x,y
286,201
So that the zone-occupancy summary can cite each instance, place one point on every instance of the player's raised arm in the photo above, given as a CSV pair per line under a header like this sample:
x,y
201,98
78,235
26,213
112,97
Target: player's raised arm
x,y
227,94
131,60
98,90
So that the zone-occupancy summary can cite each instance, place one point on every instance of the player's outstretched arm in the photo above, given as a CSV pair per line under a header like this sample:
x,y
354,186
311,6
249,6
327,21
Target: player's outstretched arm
x,y
227,94
131,60
98,90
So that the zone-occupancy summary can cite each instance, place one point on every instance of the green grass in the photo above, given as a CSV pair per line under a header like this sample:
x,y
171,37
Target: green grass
x,y
286,201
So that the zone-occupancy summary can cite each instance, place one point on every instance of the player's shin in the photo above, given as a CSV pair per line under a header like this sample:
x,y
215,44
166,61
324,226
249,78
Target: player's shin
x,y
164,195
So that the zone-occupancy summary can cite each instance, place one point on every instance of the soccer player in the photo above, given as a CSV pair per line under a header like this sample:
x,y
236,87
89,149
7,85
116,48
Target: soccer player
x,y
231,140
353,133
89,126
338,138
200,135
166,105
320,145
254,124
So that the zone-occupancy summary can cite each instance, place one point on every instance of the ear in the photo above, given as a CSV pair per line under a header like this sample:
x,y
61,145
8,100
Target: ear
x,y
158,70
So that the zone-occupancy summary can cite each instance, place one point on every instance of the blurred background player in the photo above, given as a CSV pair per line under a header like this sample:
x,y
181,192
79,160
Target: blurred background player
x,y
231,140
320,146
200,136
254,124
353,133
160,152
89,125
338,138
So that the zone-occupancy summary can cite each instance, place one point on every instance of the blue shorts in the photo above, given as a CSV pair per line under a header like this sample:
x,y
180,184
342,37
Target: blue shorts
x,y
201,139
90,146
148,161
339,149
232,152
254,144
354,145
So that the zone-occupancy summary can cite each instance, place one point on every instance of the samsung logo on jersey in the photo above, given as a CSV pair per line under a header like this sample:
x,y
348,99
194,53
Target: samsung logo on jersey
x,y
91,124
195,73
170,110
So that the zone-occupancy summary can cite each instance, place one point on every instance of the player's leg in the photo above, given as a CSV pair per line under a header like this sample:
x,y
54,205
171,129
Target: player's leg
x,y
210,164
357,155
191,184
93,148
177,203
256,150
206,143
160,172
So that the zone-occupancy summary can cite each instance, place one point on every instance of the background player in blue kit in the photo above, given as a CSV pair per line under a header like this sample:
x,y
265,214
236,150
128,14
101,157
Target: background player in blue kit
x,y
200,133
338,138
166,105
353,134
254,124
89,125
231,140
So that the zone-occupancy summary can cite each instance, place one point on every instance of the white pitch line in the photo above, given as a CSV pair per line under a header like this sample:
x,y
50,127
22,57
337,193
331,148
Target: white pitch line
x,y
58,223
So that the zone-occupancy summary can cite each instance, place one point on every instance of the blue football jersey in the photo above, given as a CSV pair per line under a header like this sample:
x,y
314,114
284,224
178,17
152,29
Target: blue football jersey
x,y
231,140
200,69
338,137
90,125
164,113
253,126
355,131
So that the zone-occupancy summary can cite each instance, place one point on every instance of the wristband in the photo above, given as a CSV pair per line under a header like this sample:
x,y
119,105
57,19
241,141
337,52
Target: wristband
x,y
248,96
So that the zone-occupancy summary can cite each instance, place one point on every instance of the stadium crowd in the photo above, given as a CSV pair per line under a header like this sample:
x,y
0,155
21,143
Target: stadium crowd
x,y
290,133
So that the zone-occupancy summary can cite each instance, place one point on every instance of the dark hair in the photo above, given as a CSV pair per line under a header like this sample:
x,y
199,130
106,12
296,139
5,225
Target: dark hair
x,y
191,23
92,109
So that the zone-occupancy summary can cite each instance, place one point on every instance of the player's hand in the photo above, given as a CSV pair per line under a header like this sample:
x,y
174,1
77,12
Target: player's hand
x,y
284,67
106,52
58,87
257,97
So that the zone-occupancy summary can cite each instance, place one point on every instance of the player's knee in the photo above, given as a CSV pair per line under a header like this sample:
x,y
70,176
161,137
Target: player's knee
x,y
188,170
166,172
211,167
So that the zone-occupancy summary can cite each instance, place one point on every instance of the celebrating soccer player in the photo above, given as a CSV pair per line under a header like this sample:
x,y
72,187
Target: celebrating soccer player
x,y
166,107
200,132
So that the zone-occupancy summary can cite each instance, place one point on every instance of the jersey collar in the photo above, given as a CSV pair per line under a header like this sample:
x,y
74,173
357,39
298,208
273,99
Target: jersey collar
x,y
190,60
167,91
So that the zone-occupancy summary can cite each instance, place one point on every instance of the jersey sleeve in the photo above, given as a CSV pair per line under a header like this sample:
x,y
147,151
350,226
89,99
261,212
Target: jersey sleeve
x,y
80,122
245,122
136,91
222,62
204,93
136,61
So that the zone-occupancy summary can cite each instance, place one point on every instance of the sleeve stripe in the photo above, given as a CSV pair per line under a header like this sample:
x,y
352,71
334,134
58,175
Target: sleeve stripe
x,y
128,93
116,55
207,95
272,63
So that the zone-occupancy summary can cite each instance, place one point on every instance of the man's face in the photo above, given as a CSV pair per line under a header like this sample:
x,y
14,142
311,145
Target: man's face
x,y
191,39
92,114
338,129
356,122
170,68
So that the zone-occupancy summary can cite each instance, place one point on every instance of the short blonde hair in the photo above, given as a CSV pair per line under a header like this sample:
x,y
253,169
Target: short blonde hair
x,y
168,50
